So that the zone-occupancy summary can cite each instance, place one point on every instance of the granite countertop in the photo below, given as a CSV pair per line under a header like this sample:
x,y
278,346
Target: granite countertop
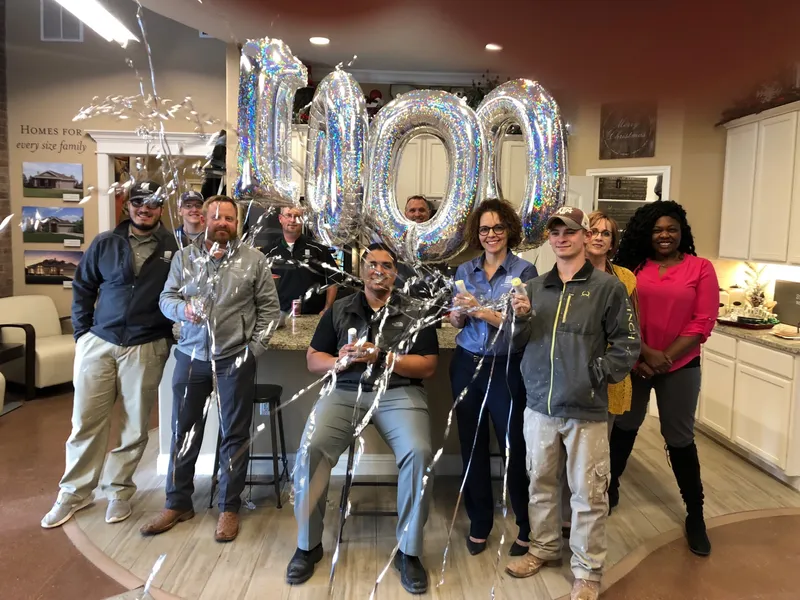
x,y
304,326
762,337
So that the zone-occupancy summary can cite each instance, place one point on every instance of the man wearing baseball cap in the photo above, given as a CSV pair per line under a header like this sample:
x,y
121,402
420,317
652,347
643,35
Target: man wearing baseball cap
x,y
579,332
121,348
190,206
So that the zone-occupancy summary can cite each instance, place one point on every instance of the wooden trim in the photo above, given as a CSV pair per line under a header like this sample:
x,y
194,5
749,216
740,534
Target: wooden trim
x,y
771,112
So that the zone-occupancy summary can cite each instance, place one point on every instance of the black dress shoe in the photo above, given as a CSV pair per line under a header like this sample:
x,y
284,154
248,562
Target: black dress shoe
x,y
475,547
413,576
517,549
301,567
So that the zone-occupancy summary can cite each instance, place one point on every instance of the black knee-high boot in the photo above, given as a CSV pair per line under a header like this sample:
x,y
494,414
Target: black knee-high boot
x,y
686,466
620,447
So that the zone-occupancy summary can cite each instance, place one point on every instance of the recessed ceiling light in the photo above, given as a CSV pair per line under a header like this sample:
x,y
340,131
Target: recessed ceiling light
x,y
494,47
319,41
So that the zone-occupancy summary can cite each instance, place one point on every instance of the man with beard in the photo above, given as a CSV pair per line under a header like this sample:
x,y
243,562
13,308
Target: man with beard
x,y
223,293
121,347
190,206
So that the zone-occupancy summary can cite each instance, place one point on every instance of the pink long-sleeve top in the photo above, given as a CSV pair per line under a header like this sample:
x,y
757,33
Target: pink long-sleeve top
x,y
684,301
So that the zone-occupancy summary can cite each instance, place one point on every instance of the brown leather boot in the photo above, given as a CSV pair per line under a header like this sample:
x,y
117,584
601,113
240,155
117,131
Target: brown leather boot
x,y
528,565
227,527
583,589
165,520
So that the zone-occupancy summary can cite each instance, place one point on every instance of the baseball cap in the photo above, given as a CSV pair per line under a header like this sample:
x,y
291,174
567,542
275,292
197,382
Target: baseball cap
x,y
144,190
191,196
572,217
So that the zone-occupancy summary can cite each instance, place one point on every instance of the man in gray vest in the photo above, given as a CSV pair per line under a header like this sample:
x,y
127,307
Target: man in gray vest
x,y
385,329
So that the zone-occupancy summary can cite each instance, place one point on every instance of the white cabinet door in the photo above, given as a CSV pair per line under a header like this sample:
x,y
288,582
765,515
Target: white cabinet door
x,y
794,223
772,192
298,145
513,170
436,168
408,178
716,392
761,406
737,192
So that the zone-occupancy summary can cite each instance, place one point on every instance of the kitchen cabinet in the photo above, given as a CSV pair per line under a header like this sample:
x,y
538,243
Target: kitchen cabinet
x,y
410,171
737,191
513,170
717,392
761,415
760,218
772,189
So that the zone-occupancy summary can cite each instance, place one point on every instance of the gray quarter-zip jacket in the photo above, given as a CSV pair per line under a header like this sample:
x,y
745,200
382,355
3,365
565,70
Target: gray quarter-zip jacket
x,y
239,296
583,336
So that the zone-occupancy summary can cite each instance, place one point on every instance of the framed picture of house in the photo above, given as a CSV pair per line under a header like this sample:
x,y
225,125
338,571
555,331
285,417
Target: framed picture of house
x,y
46,225
51,267
52,180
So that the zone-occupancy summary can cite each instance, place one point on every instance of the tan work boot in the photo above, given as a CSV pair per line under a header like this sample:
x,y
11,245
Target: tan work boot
x,y
165,520
227,527
528,565
583,589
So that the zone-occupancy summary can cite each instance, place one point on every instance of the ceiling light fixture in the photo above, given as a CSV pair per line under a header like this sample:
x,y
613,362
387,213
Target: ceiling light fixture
x,y
494,47
319,41
94,15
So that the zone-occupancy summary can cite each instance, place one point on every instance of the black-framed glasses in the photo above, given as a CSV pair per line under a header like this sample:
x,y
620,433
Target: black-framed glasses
x,y
192,204
149,201
498,230
604,234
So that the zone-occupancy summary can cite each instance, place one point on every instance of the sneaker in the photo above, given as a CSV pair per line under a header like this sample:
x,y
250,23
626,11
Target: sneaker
x,y
118,510
529,565
583,589
63,510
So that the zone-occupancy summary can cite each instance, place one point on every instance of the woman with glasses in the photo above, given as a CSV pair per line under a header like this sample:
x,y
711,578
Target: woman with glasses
x,y
599,251
494,228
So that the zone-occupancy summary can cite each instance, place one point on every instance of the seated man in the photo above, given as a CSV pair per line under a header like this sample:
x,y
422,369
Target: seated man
x,y
401,417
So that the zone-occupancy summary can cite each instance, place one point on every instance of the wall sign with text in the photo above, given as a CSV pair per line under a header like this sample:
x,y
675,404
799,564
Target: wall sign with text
x,y
628,130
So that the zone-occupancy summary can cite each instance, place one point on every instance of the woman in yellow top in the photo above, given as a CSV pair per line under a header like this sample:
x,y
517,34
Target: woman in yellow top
x,y
599,251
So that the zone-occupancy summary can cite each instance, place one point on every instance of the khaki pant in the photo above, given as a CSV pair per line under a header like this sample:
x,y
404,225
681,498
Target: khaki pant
x,y
582,446
104,372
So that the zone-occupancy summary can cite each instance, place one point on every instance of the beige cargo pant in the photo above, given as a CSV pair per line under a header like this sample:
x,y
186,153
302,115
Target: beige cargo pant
x,y
103,373
582,446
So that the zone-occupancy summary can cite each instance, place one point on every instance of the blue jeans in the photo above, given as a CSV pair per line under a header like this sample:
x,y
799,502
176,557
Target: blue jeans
x,y
478,498
192,383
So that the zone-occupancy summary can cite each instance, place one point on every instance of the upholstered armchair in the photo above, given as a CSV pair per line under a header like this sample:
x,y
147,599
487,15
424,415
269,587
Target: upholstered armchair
x,y
49,353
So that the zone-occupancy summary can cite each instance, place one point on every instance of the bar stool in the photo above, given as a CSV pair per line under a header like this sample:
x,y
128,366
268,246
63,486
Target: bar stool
x,y
268,395
350,483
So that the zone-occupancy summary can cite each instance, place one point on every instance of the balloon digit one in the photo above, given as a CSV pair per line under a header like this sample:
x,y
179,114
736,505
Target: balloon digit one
x,y
335,155
270,75
449,118
529,105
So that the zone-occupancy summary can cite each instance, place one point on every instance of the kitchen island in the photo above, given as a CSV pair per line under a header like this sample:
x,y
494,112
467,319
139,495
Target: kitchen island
x,y
284,364
750,398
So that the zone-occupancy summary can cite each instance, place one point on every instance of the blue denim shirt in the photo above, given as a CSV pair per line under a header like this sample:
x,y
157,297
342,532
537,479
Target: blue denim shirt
x,y
477,335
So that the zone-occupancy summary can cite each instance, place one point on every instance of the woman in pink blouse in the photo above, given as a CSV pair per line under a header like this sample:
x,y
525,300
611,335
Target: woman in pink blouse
x,y
678,303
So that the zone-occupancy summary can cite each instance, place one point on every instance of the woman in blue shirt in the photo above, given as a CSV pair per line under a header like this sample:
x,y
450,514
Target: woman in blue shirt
x,y
495,228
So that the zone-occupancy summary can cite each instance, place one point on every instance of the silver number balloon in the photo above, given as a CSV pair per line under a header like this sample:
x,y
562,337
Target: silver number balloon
x,y
335,156
270,75
529,105
448,117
